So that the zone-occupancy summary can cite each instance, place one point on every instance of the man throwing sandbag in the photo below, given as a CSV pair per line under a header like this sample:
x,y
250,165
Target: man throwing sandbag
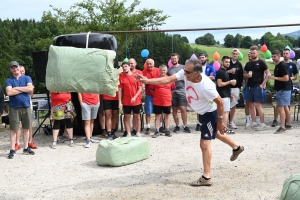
x,y
203,98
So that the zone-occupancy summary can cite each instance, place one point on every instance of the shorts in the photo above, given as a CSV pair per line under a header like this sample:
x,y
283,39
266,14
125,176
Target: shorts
x,y
134,109
235,93
89,112
161,109
101,109
148,107
110,104
264,95
226,104
179,98
63,111
283,97
255,94
19,114
208,126
245,93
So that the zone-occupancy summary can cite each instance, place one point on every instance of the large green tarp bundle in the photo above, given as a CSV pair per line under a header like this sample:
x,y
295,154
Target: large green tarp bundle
x,y
89,70
122,151
291,188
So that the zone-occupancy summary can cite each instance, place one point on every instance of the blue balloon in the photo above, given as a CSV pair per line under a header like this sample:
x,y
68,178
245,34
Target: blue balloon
x,y
145,53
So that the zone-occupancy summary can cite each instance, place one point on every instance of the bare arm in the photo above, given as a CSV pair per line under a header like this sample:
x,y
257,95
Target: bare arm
x,y
222,84
80,98
294,77
211,76
120,97
156,81
267,72
27,88
283,79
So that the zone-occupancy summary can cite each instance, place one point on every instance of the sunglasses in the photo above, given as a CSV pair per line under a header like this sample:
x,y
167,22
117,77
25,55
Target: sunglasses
x,y
188,72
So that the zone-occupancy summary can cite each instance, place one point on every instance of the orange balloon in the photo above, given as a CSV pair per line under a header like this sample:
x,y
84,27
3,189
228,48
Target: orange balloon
x,y
145,65
216,56
264,48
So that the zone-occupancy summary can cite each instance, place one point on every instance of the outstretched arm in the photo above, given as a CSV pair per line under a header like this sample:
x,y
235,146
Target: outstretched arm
x,y
156,81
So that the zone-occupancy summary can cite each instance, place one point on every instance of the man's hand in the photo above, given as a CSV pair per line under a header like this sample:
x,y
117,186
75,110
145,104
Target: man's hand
x,y
221,127
133,100
120,105
140,78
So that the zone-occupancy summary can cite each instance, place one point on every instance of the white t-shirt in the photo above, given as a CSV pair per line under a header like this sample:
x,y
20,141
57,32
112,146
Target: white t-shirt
x,y
200,96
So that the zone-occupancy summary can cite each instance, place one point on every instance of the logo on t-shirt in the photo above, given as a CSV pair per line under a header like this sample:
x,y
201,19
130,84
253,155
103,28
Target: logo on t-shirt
x,y
257,63
207,69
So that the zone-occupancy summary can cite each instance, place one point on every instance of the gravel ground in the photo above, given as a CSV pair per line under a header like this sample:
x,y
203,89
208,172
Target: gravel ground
x,y
72,173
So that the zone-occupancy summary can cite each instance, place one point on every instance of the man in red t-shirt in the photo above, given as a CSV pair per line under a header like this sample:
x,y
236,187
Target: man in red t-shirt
x,y
162,102
89,108
111,109
130,90
132,63
150,72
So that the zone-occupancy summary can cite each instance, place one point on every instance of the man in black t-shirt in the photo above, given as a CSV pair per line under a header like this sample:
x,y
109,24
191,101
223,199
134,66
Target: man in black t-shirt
x,y
223,87
254,71
282,85
235,72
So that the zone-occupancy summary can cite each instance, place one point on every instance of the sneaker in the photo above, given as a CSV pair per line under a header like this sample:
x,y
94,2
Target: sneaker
x,y
28,151
176,129
201,182
254,125
128,135
228,131
280,130
133,132
103,134
109,136
162,130
88,144
72,144
236,153
187,129
232,125
17,147
288,126
114,136
156,134
198,127
168,134
53,146
261,127
11,154
138,134
124,134
275,123
61,139
147,131
247,126
94,140
32,145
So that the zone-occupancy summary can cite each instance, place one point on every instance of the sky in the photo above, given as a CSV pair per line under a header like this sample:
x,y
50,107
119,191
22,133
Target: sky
x,y
189,14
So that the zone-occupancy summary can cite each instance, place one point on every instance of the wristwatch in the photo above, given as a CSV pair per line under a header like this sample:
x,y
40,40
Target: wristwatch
x,y
220,116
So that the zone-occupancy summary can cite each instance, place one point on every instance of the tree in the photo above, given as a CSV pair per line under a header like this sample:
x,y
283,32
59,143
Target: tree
x,y
228,40
237,41
207,39
184,39
267,38
247,42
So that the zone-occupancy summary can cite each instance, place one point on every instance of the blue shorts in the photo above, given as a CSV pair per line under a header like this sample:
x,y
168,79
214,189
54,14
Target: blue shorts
x,y
208,125
283,97
255,94
148,108
264,95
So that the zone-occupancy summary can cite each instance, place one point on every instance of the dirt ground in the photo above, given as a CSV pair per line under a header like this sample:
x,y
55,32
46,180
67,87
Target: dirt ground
x,y
72,173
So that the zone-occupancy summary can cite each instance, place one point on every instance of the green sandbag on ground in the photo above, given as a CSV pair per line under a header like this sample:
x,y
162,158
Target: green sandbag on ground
x,y
122,151
291,188
89,70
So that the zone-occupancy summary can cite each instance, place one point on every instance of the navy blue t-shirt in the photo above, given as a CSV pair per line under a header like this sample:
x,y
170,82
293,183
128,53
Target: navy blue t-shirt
x,y
21,100
292,68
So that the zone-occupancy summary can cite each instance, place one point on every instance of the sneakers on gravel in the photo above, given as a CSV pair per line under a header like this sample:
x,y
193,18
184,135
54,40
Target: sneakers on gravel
x,y
236,153
274,123
147,131
176,129
11,154
168,134
261,127
232,125
280,130
202,182
28,151
156,134
187,129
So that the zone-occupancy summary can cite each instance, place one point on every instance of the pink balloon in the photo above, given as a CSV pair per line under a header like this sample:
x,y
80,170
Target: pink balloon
x,y
170,63
217,65
193,56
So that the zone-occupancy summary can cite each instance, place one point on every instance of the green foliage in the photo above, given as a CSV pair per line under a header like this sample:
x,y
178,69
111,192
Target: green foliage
x,y
247,42
228,40
207,39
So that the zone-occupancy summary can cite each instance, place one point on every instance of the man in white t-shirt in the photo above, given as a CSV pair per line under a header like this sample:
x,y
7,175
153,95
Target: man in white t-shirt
x,y
298,63
204,99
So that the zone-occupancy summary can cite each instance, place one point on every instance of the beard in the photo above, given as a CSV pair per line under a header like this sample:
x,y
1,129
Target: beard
x,y
174,63
203,63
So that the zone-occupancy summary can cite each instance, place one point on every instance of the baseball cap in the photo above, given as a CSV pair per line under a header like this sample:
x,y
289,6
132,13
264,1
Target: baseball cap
x,y
202,54
13,63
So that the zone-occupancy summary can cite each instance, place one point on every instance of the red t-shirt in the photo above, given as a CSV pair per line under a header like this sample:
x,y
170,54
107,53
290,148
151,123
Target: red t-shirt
x,y
154,73
90,99
162,94
130,88
60,98
141,73
106,97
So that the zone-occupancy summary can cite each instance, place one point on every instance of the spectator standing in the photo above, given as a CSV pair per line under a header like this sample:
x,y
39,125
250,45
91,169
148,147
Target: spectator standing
x,y
162,101
89,109
111,109
18,88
